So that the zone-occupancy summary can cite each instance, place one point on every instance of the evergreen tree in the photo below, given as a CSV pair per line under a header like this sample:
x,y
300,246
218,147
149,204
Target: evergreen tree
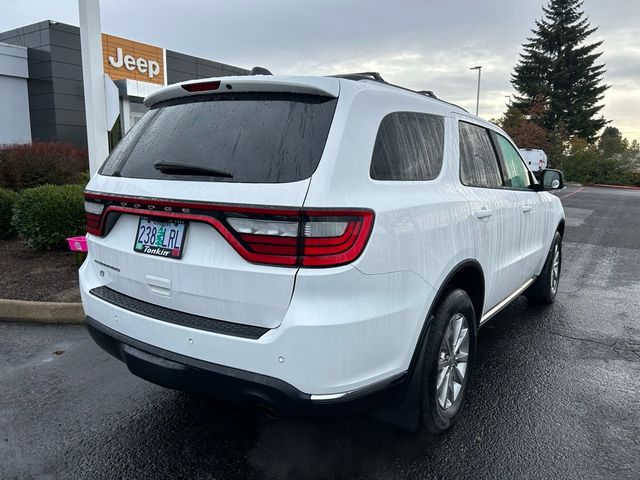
x,y
559,69
611,142
523,129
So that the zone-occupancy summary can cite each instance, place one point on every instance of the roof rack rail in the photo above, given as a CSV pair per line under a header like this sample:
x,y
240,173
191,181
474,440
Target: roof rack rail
x,y
375,76
260,71
361,76
427,93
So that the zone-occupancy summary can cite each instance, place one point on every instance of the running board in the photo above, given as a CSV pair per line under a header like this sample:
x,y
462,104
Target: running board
x,y
491,313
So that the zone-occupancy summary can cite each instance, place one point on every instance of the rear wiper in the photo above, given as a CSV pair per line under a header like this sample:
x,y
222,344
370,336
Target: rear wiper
x,y
186,169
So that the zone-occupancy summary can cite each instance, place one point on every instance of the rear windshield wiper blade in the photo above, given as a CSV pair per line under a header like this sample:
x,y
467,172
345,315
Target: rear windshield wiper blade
x,y
186,169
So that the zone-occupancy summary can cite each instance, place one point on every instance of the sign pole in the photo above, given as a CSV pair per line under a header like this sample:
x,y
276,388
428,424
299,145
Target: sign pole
x,y
93,79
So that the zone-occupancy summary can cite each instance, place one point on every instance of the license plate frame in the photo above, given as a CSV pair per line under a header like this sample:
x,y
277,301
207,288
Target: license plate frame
x,y
175,246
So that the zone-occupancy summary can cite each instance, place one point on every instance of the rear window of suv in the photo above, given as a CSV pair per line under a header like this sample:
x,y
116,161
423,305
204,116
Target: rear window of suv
x,y
247,137
409,147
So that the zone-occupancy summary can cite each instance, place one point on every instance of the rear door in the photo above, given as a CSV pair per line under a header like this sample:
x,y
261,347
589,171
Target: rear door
x,y
188,155
493,215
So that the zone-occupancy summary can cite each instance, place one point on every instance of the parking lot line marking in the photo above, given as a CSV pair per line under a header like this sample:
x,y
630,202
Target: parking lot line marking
x,y
572,193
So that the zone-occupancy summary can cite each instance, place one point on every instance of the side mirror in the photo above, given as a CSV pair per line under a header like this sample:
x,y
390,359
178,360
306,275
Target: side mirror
x,y
551,179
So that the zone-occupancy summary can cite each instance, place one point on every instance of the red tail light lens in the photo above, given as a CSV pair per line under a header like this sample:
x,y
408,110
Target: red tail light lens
x,y
333,238
94,212
313,238
291,237
201,86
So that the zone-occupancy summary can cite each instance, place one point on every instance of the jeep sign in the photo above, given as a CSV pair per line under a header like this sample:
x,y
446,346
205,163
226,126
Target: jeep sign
x,y
126,59
130,63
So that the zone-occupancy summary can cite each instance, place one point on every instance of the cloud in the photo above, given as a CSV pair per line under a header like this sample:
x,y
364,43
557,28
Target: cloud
x,y
423,44
444,71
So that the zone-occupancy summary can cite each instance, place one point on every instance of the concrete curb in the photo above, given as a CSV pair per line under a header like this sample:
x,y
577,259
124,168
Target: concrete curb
x,y
625,187
23,311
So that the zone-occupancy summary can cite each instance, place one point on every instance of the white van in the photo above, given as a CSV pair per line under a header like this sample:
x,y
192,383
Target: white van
x,y
535,159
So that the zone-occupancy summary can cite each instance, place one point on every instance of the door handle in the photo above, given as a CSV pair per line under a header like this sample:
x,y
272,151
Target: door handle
x,y
526,208
484,213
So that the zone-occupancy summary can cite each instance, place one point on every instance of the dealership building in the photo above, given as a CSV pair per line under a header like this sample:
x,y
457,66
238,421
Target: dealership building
x,y
41,89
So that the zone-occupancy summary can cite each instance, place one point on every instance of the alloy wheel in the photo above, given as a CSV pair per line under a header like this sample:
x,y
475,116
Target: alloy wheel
x,y
452,361
555,269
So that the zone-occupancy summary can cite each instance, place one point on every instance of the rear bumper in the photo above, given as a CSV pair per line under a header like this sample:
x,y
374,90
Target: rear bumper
x,y
343,331
177,371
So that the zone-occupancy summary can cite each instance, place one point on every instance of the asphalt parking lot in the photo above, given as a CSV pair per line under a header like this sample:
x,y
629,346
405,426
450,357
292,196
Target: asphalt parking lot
x,y
555,394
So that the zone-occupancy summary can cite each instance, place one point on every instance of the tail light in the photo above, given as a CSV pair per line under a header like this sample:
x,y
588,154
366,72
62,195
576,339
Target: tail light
x,y
94,216
285,237
201,86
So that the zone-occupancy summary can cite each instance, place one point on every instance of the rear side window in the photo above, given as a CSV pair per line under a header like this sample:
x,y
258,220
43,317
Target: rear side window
x,y
478,161
409,146
249,137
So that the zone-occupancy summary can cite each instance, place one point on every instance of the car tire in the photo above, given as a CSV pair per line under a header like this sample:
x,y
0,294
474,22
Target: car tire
x,y
543,291
448,358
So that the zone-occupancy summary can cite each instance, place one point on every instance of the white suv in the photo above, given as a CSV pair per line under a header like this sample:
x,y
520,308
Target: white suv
x,y
313,245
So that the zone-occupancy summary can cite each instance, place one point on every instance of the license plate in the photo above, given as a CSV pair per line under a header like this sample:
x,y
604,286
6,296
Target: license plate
x,y
161,238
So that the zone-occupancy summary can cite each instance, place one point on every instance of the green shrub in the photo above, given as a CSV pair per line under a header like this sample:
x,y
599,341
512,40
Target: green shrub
x,y
45,216
41,163
7,200
588,164
615,170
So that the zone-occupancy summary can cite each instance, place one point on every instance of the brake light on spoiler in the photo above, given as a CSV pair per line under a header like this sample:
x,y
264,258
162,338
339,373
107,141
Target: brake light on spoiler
x,y
311,237
201,86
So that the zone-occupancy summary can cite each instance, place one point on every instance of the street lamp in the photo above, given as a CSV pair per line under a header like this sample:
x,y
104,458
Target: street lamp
x,y
479,68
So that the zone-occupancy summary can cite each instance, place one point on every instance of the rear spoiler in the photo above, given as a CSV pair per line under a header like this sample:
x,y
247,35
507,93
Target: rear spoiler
x,y
323,86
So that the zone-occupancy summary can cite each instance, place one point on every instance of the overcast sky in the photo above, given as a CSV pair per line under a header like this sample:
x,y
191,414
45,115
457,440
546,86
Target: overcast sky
x,y
420,44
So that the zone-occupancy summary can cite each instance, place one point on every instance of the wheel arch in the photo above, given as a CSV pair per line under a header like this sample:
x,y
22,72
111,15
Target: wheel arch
x,y
467,275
